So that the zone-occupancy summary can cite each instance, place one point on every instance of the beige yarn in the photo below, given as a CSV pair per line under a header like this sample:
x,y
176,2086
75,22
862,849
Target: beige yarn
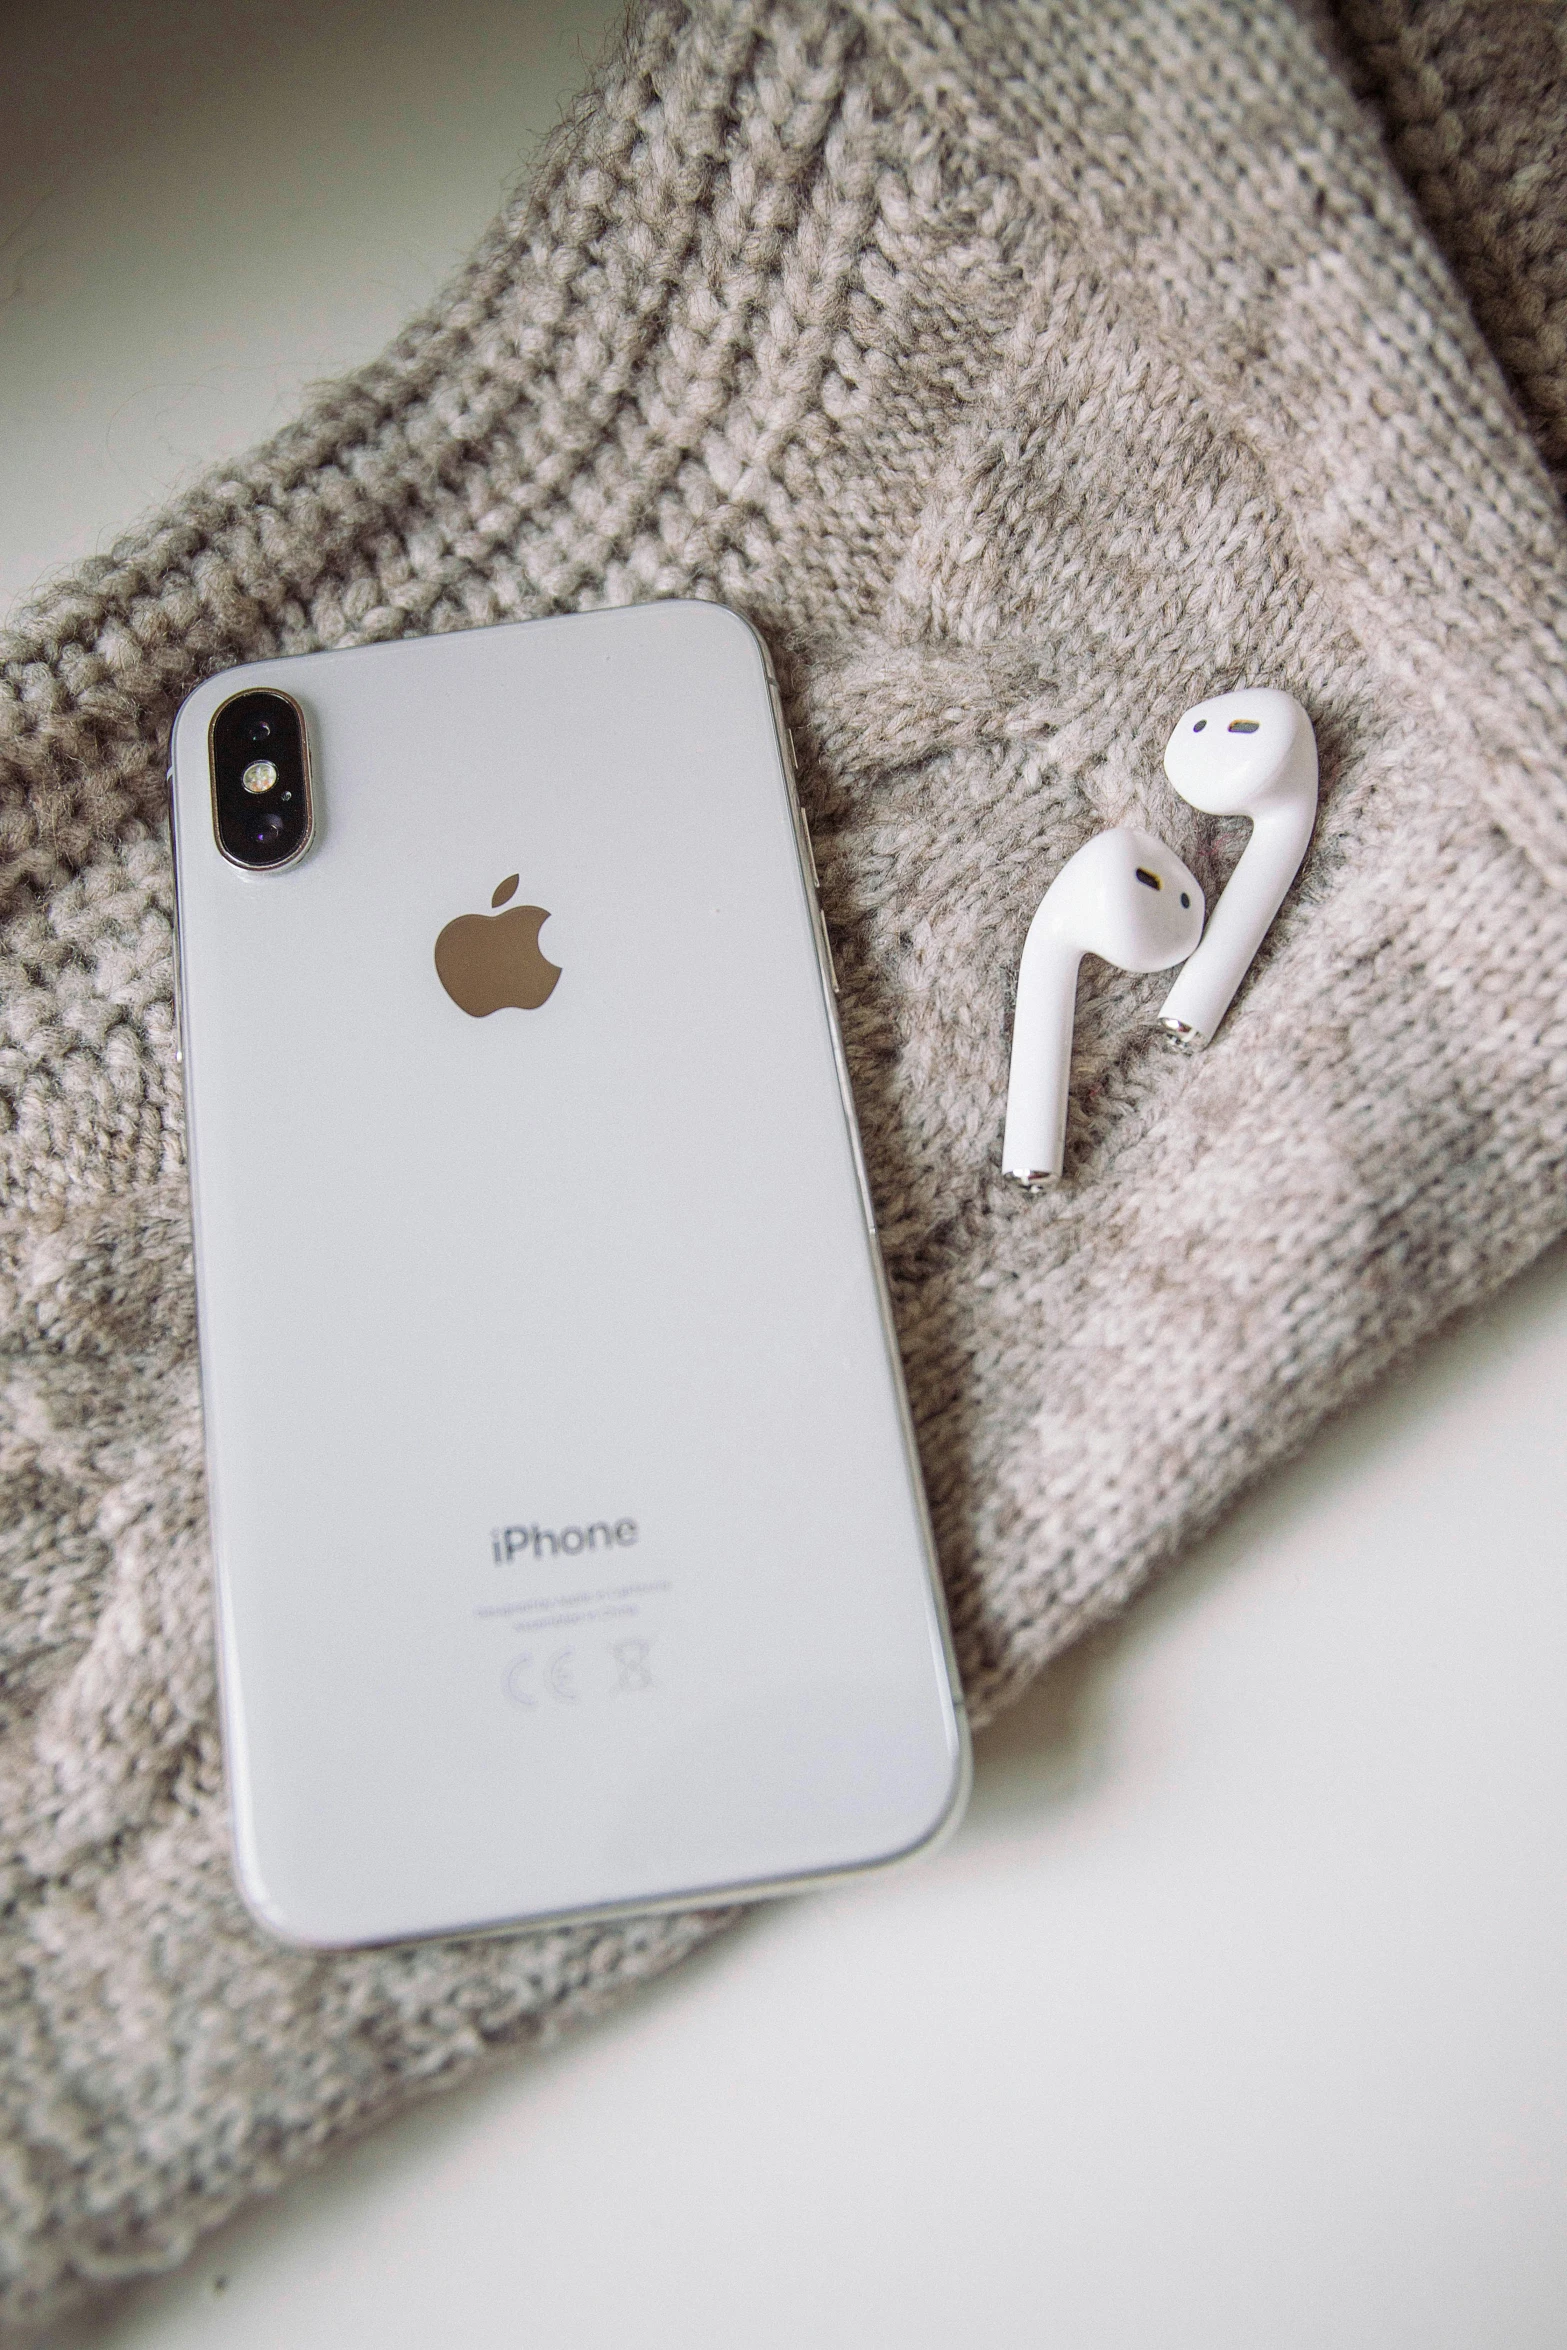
x,y
1474,94
1026,372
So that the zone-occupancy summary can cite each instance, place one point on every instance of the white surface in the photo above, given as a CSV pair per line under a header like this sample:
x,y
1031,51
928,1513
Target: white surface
x,y
1235,2017
207,204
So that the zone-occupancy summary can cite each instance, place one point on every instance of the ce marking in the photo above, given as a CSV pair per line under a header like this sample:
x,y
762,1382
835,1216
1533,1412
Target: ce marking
x,y
558,1677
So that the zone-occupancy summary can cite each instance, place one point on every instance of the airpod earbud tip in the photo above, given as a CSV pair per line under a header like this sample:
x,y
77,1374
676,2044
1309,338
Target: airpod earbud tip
x,y
1231,754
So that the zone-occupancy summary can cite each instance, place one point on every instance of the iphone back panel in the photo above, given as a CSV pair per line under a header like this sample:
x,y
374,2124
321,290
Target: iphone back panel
x,y
570,1547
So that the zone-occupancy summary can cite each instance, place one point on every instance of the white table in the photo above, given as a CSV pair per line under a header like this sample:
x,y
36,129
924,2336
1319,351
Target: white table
x,y
1234,2018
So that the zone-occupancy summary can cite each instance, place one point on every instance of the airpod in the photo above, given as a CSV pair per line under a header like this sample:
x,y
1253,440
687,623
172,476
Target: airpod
x,y
1245,754
1124,897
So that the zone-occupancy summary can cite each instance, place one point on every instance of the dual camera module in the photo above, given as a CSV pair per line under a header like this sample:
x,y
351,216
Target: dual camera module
x,y
260,780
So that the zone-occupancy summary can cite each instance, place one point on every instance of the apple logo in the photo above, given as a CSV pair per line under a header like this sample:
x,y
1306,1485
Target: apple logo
x,y
488,961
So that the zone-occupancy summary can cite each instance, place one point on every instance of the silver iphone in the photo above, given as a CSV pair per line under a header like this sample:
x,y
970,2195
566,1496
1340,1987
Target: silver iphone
x,y
571,1554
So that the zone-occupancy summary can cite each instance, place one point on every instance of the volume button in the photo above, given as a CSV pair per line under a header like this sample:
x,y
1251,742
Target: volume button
x,y
781,724
179,1005
832,968
791,769
807,845
810,847
803,836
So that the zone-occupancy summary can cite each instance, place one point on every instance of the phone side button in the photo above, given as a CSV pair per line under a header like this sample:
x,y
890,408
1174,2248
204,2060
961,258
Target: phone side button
x,y
179,1008
785,733
832,968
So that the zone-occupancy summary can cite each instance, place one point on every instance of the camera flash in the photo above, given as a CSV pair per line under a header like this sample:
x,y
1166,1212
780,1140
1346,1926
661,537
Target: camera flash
x,y
260,775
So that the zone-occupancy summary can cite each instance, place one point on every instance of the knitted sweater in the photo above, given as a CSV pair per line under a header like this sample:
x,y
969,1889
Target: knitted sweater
x,y
1025,371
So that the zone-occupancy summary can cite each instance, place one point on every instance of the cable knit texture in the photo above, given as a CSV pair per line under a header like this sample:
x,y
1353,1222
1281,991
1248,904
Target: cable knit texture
x,y
1474,93
1026,372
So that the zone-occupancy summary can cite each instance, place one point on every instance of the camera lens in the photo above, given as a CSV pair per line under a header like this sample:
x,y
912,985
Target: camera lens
x,y
260,806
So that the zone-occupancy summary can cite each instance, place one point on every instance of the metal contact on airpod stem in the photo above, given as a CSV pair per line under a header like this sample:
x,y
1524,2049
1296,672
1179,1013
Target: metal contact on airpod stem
x,y
1183,1034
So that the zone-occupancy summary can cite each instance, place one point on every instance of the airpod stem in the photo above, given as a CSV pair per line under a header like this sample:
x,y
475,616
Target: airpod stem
x,y
1124,896
1033,1151
1239,923
1251,753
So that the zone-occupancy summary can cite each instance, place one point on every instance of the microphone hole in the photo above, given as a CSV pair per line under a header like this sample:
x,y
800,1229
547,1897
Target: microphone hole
x,y
1148,880
1244,725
